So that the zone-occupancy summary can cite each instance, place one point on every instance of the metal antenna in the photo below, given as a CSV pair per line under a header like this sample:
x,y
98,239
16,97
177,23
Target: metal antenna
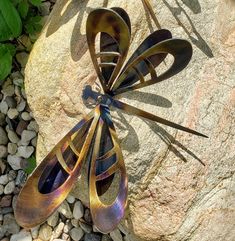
x,y
151,12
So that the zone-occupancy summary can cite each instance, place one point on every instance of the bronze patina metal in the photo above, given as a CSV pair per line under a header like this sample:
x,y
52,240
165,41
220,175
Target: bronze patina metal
x,y
94,139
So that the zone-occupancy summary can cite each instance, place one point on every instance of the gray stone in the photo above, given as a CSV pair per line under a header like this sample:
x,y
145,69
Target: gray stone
x,y
14,162
70,199
35,231
58,230
9,188
26,116
3,137
27,136
22,58
116,235
10,224
12,175
12,148
92,237
9,90
22,125
2,166
11,102
106,237
4,179
20,178
17,78
3,107
53,219
78,210
76,234
74,222
33,126
25,151
3,151
45,232
12,113
65,210
68,226
13,137
34,141
23,235
44,8
2,119
1,189
86,227
21,106
87,215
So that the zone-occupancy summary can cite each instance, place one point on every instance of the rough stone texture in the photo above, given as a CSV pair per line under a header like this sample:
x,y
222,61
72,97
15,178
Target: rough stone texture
x,y
172,195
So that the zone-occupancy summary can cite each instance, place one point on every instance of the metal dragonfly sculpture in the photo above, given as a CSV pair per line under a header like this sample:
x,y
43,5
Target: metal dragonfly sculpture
x,y
94,139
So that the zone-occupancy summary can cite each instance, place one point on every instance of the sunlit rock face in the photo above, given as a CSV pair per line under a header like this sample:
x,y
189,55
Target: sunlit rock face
x,y
181,187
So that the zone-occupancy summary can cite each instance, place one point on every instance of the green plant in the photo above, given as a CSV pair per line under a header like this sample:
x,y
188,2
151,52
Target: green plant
x,y
31,165
16,17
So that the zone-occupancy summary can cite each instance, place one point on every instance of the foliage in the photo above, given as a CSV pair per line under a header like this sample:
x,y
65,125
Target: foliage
x,y
16,17
31,165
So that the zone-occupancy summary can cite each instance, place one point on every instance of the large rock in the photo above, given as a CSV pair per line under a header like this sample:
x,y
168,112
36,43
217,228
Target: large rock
x,y
181,187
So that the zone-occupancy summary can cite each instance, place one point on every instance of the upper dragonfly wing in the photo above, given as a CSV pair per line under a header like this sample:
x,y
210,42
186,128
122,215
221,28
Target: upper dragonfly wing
x,y
114,28
107,166
51,182
147,59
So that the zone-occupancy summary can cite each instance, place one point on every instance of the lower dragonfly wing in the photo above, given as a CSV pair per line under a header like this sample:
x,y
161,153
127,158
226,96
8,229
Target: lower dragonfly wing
x,y
51,182
106,165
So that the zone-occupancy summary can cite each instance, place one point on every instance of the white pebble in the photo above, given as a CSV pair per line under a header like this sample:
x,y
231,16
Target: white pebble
x,y
27,136
26,116
78,210
25,151
76,234
14,162
9,188
13,137
12,113
4,179
23,235
12,148
70,199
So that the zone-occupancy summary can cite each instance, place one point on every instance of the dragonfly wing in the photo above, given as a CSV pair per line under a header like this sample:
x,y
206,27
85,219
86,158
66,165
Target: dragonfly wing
x,y
106,164
113,25
51,182
133,76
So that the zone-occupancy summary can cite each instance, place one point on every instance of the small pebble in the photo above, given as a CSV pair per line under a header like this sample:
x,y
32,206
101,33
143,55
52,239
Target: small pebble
x,y
116,235
87,215
65,210
106,237
76,234
35,231
9,188
11,102
1,189
20,178
3,137
12,113
4,179
22,125
3,107
22,58
12,175
92,237
8,90
70,199
45,232
26,116
33,126
87,228
12,148
14,162
78,210
25,151
10,224
53,219
13,137
34,141
6,201
3,151
2,119
21,106
27,136
23,235
58,230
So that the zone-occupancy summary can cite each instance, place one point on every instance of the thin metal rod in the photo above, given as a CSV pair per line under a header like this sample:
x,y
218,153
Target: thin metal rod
x,y
151,12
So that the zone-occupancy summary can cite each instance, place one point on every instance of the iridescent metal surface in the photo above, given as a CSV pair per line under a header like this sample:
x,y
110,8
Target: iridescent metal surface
x,y
94,139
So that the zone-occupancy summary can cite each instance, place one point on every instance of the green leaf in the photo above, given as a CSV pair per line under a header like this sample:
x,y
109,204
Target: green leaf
x,y
5,32
36,3
23,8
11,49
5,62
31,165
11,17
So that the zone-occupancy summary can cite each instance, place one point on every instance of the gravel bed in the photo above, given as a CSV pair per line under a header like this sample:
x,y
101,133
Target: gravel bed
x,y
18,139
